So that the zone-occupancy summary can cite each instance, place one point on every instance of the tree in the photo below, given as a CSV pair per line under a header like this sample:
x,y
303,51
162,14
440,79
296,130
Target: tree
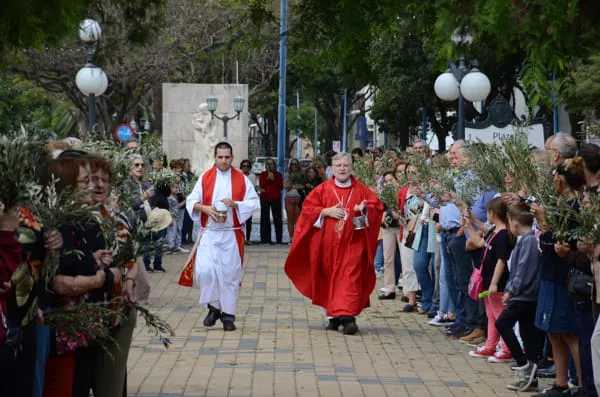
x,y
36,23
179,50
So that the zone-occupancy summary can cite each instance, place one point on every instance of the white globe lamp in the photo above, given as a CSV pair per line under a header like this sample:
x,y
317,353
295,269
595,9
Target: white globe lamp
x,y
475,86
446,87
89,31
91,80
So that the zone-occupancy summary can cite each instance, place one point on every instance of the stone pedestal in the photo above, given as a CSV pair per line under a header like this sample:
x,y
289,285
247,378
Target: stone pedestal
x,y
189,131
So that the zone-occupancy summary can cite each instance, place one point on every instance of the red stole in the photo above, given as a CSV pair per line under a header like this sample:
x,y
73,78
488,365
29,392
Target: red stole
x,y
238,192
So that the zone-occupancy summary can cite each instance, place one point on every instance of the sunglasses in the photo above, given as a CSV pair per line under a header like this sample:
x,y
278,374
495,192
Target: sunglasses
x,y
138,165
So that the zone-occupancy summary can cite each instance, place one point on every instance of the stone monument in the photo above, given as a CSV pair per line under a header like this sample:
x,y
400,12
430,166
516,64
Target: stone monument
x,y
190,132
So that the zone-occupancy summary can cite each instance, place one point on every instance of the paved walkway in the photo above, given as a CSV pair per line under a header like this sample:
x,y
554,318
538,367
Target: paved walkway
x,y
282,349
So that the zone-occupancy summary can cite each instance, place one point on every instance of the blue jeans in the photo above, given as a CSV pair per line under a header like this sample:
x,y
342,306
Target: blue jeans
x,y
379,256
449,275
467,310
446,302
425,275
154,248
42,352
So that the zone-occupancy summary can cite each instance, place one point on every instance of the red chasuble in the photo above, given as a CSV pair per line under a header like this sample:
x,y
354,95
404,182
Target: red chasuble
x,y
333,265
238,192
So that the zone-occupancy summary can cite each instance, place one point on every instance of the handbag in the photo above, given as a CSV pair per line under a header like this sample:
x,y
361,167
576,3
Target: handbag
x,y
580,284
476,279
476,283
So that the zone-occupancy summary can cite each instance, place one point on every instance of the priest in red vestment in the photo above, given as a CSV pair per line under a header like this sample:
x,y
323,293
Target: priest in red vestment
x,y
331,258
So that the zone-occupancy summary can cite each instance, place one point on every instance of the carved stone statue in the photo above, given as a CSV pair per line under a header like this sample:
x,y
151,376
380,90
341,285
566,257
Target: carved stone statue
x,y
205,139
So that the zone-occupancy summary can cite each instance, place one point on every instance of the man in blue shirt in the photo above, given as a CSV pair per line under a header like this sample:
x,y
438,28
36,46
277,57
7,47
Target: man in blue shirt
x,y
468,325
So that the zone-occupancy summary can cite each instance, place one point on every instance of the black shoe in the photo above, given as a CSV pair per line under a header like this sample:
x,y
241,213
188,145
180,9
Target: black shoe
x,y
212,316
391,295
431,314
159,269
148,268
408,308
228,322
349,324
334,324
554,391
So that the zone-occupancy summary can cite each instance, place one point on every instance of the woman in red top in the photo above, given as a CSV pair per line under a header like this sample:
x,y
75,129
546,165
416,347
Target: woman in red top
x,y
271,185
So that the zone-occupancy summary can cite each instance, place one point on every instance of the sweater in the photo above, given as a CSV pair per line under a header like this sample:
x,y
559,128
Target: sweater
x,y
524,276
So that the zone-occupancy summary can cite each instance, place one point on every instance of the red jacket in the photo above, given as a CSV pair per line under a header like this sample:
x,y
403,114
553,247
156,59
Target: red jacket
x,y
271,189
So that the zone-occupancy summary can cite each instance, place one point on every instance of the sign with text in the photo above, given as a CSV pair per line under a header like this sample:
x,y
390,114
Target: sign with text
x,y
493,134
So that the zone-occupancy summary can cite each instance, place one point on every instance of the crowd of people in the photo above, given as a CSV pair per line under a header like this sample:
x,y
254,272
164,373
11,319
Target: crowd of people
x,y
499,271
498,266
71,290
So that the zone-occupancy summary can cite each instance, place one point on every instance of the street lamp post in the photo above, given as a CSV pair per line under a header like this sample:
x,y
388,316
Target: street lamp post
x,y
238,107
458,82
91,79
462,82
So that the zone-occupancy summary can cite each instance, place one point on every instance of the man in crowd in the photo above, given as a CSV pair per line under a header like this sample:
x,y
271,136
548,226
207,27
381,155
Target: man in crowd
x,y
223,199
562,146
331,258
468,326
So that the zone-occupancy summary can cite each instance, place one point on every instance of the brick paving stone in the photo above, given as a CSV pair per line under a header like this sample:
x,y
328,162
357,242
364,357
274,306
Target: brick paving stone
x,y
282,349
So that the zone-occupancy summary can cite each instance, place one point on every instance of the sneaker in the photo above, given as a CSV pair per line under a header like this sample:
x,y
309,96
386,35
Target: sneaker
x,y
577,391
521,368
523,385
182,250
554,391
546,369
482,352
527,379
437,321
501,358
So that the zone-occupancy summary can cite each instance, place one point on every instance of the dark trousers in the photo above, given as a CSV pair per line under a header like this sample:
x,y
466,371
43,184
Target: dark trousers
x,y
397,267
153,247
533,338
460,269
268,207
17,368
584,319
248,229
85,368
186,230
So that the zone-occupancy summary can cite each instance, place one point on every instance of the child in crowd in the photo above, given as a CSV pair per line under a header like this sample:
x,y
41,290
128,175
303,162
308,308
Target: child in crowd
x,y
520,296
173,209
495,276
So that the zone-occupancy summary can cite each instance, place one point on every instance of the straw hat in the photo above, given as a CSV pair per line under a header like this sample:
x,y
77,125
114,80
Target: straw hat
x,y
159,219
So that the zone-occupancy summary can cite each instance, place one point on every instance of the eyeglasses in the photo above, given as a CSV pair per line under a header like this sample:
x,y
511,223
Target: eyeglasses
x,y
138,165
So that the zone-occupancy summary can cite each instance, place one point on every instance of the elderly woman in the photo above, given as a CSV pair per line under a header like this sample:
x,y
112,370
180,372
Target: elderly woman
x,y
84,277
111,363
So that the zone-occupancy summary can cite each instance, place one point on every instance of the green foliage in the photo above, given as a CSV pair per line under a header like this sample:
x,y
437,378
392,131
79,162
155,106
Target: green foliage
x,y
583,92
22,103
303,119
32,23
21,155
